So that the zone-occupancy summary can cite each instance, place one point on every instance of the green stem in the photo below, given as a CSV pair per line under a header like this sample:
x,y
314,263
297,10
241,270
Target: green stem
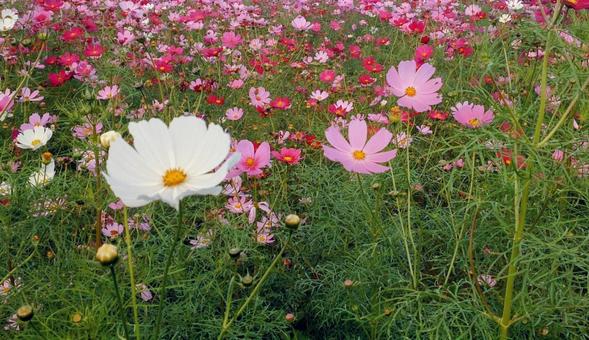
x,y
120,300
254,292
131,274
166,270
521,206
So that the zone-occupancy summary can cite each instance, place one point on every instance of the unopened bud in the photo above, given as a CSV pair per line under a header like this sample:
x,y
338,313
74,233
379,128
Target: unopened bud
x,y
25,313
108,137
107,254
292,221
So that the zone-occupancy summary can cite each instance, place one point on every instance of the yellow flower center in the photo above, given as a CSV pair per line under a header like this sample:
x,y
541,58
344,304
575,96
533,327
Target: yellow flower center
x,y
359,155
35,142
5,290
474,122
174,177
250,161
288,158
410,91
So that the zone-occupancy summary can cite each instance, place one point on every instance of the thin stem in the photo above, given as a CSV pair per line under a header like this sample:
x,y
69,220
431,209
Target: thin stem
x,y
9,275
405,244
228,301
166,270
521,205
98,226
131,274
254,292
463,228
120,300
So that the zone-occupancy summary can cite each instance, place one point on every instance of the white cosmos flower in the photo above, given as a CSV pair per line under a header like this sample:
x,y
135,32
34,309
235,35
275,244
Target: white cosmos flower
x,y
8,18
33,138
42,176
169,163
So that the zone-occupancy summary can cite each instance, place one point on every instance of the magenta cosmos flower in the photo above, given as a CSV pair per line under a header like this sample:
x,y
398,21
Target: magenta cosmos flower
x,y
413,85
253,159
472,116
358,155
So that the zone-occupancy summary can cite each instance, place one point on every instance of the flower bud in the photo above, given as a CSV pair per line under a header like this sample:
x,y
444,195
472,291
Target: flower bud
x,y
25,313
234,252
289,317
247,280
108,137
107,254
46,157
292,221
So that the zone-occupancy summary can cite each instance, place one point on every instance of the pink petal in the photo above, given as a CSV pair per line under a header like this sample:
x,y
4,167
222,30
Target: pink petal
x,y
424,73
357,132
336,139
379,141
382,157
407,71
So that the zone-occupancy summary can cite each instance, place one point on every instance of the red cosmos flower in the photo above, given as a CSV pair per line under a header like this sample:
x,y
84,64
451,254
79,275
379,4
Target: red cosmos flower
x,y
462,47
94,51
366,79
162,65
281,103
289,156
355,51
370,65
577,4
89,24
423,53
67,59
417,26
437,115
214,100
51,60
72,34
382,41
58,79
52,5
506,156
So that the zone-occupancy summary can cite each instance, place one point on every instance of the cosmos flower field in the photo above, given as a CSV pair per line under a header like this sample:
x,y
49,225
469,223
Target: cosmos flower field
x,y
293,169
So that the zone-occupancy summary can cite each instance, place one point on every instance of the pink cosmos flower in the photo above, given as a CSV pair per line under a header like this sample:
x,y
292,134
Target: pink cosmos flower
x,y
358,155
26,95
472,116
319,95
327,76
125,37
253,160
301,24
112,230
231,40
413,85
6,103
288,155
36,120
108,92
259,97
234,113
83,131
341,108
239,205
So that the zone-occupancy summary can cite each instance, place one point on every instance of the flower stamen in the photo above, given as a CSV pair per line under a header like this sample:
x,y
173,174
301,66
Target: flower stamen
x,y
359,155
174,177
410,91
